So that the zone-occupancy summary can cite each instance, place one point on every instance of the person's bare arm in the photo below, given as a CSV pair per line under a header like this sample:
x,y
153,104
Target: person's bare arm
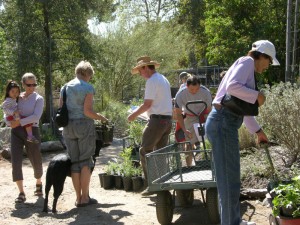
x,y
88,109
143,108
181,122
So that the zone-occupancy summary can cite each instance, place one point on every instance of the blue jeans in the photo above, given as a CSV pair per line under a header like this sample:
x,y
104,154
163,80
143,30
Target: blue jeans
x,y
222,132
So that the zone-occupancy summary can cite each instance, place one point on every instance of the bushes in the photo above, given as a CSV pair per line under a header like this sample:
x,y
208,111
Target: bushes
x,y
117,113
280,117
246,140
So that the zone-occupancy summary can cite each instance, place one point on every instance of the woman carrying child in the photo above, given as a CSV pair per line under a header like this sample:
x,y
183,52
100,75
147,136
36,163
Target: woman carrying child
x,y
10,108
30,105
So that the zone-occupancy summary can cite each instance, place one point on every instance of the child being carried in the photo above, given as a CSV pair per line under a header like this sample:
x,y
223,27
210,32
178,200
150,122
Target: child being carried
x,y
10,109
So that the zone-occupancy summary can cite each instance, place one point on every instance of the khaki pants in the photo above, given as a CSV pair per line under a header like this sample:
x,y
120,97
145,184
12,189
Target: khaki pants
x,y
155,136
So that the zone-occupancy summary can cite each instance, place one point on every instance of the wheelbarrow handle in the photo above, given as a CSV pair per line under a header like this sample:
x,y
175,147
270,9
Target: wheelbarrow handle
x,y
193,103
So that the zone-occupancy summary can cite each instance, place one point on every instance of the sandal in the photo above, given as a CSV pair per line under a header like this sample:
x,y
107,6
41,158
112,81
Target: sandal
x,y
21,198
38,190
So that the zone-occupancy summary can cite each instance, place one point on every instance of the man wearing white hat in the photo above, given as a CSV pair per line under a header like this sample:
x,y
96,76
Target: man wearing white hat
x,y
158,105
223,123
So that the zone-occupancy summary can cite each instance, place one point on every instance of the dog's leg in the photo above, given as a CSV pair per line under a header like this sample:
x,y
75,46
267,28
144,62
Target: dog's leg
x,y
47,189
58,187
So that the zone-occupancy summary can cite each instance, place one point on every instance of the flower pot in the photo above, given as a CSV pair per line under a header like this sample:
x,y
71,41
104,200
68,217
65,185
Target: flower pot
x,y
288,221
287,212
137,184
101,178
127,182
108,181
118,182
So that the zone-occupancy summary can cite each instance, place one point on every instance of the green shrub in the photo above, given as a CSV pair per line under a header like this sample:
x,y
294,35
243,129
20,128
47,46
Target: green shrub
x,y
250,169
117,113
136,131
246,139
280,115
288,197
47,135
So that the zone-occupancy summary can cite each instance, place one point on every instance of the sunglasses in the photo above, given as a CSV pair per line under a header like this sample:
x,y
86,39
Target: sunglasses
x,y
30,85
270,60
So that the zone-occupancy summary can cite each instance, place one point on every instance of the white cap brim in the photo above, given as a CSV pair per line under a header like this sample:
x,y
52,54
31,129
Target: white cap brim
x,y
275,62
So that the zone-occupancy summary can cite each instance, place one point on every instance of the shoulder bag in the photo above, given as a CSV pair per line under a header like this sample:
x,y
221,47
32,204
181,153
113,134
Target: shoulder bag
x,y
62,114
239,106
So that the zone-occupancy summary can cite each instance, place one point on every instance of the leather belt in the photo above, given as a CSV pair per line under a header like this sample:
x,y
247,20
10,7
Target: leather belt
x,y
157,116
218,106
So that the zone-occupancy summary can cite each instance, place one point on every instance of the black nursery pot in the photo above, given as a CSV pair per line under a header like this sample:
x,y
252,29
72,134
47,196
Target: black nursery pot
x,y
108,181
101,178
118,182
137,184
127,182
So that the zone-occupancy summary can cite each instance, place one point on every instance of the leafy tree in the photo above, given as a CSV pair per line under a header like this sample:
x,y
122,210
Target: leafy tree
x,y
6,65
51,37
120,48
148,10
232,26
191,15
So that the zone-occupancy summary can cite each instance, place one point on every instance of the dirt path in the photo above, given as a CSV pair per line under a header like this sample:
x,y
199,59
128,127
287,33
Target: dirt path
x,y
115,207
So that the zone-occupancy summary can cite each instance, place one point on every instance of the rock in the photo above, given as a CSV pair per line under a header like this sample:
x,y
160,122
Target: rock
x,y
51,146
5,134
253,193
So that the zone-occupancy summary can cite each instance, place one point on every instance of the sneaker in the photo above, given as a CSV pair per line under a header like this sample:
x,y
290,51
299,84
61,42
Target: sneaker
x,y
33,140
247,223
146,192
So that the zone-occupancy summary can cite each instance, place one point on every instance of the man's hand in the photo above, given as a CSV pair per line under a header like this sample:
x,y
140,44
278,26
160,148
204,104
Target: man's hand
x,y
188,134
131,117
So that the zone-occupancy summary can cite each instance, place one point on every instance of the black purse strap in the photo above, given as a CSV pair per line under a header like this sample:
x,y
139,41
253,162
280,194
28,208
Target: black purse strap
x,y
255,80
64,94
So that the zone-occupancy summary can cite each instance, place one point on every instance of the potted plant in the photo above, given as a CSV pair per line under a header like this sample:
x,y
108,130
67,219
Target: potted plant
x,y
117,176
137,179
108,178
286,203
127,168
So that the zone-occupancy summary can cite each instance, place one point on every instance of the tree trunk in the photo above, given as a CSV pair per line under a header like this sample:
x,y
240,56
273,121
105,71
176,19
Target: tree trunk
x,y
47,66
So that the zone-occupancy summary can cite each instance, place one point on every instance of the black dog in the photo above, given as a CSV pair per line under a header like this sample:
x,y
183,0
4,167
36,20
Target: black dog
x,y
59,168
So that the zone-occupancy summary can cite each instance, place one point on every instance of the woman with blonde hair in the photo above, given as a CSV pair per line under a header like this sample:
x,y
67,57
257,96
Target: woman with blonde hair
x,y
79,134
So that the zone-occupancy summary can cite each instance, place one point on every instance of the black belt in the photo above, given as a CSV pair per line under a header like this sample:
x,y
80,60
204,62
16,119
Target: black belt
x,y
156,116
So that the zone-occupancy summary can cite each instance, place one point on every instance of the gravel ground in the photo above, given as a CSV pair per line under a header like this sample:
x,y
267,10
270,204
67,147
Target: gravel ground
x,y
115,207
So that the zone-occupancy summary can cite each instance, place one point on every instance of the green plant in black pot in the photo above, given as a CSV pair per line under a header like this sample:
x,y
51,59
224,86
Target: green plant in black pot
x,y
287,199
111,168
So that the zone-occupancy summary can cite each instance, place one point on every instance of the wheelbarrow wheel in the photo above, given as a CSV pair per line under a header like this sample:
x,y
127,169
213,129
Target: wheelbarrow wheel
x,y
273,220
213,205
164,207
185,197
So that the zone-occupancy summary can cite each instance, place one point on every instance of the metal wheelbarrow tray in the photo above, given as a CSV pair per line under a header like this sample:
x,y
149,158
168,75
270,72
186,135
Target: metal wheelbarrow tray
x,y
167,170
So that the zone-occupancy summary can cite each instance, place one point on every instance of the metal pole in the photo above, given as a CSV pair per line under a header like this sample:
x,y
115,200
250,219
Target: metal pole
x,y
288,40
295,40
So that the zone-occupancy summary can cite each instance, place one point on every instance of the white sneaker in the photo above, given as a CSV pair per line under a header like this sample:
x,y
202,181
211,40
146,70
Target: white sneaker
x,y
247,223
